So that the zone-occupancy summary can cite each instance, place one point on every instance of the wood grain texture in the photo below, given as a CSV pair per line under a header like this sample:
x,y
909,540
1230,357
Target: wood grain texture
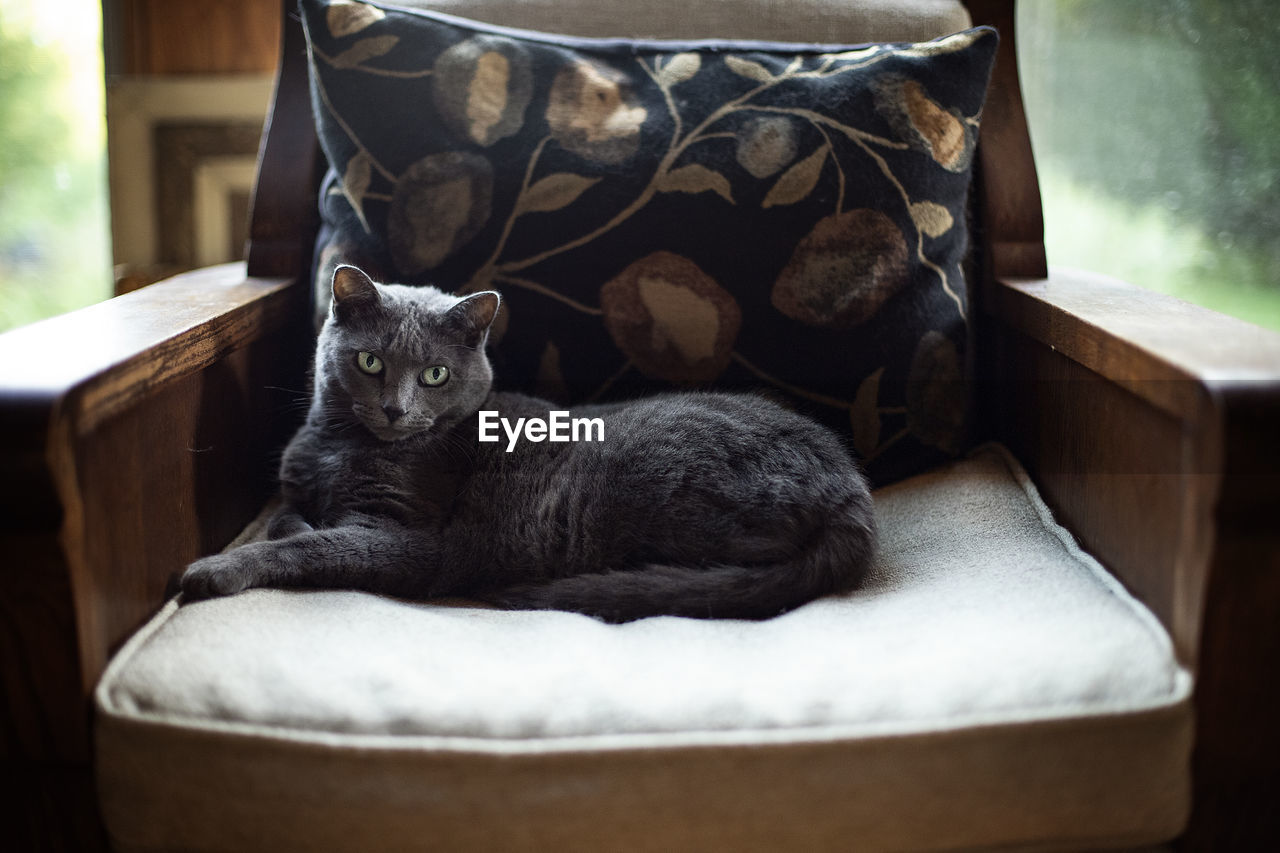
x,y
1011,232
1163,349
215,36
1091,377
100,359
1237,756
284,218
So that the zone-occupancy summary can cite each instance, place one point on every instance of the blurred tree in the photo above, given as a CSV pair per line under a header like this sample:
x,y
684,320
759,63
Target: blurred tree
x,y
33,125
30,77
1175,104
1235,44
54,250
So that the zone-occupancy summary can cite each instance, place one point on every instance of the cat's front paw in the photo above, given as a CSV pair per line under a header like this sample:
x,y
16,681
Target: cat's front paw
x,y
218,575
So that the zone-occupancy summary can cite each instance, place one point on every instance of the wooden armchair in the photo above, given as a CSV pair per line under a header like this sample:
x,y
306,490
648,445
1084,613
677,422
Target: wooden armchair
x,y
141,433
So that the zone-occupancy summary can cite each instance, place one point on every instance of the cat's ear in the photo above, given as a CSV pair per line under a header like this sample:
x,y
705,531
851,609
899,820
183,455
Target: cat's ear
x,y
474,315
353,291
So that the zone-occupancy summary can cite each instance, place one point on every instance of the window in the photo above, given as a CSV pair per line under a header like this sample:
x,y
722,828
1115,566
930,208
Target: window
x,y
1156,129
55,252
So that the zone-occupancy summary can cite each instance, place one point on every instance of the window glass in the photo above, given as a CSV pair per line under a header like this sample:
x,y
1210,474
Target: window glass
x,y
55,250
1155,127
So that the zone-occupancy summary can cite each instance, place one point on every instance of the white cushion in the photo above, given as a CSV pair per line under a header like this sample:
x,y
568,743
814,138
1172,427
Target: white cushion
x,y
990,684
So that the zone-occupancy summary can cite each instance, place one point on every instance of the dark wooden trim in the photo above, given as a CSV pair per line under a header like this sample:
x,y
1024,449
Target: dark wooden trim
x,y
1134,483
139,433
284,218
1163,349
1236,765
112,353
1008,190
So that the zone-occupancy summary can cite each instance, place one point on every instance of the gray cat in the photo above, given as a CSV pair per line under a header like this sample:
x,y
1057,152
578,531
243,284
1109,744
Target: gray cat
x,y
688,504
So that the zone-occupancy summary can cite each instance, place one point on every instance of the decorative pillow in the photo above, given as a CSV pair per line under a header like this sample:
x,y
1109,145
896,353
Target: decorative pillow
x,y
670,213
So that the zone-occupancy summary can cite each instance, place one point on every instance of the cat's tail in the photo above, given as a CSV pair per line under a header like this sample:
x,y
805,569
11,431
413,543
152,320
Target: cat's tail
x,y
836,560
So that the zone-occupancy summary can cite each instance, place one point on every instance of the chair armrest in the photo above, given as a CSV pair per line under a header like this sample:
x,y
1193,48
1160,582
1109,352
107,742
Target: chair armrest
x,y
1153,427
99,359
1159,347
138,434
1131,388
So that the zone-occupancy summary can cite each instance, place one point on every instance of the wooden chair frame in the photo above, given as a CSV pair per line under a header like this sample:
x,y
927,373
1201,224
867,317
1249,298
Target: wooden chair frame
x,y
141,432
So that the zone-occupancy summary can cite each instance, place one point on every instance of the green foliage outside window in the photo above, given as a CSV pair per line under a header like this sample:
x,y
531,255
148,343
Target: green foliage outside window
x,y
1155,128
55,252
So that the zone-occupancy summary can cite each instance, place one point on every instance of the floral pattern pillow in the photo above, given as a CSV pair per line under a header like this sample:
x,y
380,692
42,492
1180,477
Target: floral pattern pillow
x,y
659,214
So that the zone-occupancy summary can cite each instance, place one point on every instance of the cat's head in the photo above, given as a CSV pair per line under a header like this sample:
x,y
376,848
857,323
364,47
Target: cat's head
x,y
402,360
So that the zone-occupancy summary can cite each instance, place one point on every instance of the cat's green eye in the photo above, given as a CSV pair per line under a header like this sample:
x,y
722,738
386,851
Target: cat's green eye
x,y
434,377
369,363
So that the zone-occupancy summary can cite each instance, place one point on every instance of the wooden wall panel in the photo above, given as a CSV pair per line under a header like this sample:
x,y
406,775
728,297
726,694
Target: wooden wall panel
x,y
208,37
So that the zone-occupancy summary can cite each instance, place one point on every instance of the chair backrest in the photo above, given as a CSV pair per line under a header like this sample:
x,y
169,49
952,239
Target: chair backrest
x,y
803,21
1007,215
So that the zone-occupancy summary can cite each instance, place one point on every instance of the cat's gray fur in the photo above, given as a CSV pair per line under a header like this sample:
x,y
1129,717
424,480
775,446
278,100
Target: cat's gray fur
x,y
695,504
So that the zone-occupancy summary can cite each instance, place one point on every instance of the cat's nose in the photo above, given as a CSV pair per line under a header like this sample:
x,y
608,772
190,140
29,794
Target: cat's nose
x,y
393,413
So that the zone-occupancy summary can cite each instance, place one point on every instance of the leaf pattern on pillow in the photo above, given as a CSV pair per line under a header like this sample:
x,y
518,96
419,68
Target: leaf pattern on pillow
x,y
593,113
799,181
843,270
347,17
671,319
765,144
944,134
733,213
482,87
438,205
931,218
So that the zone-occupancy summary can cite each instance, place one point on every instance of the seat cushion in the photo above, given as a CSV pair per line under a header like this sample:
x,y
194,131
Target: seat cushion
x,y
989,685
